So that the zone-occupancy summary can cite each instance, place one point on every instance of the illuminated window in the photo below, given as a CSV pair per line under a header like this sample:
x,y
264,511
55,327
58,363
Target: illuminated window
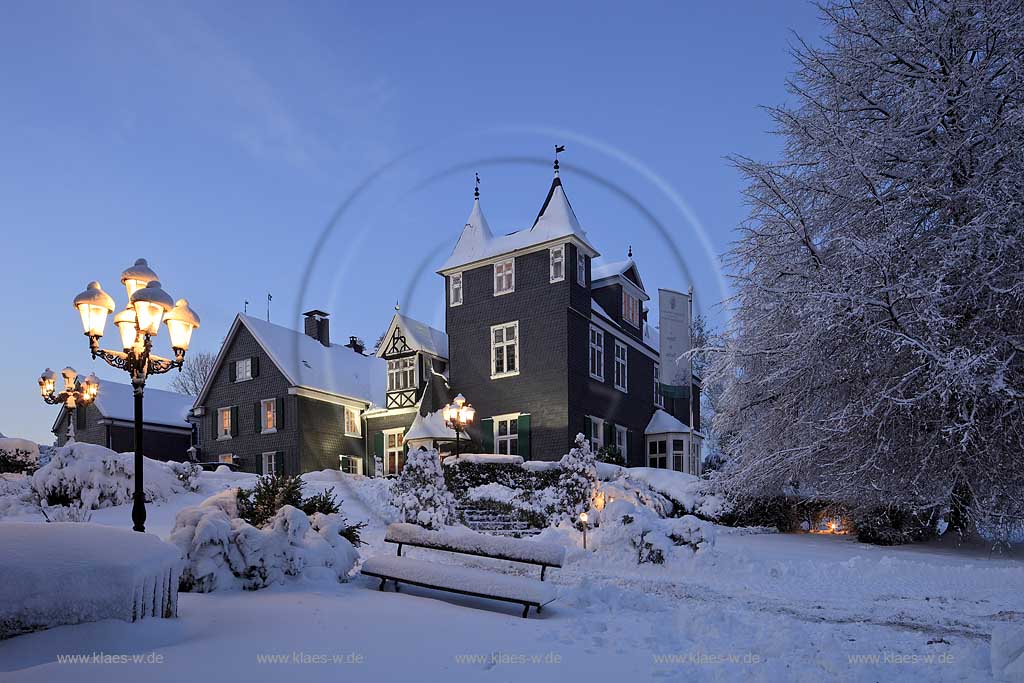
x,y
268,415
631,309
352,426
504,276
224,423
393,451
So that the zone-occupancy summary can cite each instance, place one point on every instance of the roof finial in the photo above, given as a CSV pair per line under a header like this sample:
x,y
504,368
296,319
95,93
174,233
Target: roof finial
x,y
558,148
397,307
476,190
630,254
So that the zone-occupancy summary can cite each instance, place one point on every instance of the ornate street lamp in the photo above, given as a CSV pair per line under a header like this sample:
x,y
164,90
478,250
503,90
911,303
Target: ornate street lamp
x,y
76,394
148,306
458,415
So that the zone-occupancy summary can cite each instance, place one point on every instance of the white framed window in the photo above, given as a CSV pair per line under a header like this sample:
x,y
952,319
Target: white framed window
x,y
268,415
679,459
504,276
621,366
581,269
659,399
622,441
657,453
455,289
224,423
631,309
506,434
351,464
505,349
226,458
393,451
557,260
352,424
243,369
402,373
268,463
596,354
596,433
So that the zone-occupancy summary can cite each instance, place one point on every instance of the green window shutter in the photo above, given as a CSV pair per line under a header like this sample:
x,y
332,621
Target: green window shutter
x,y
279,463
378,443
405,446
257,427
214,425
234,420
588,427
231,371
609,433
255,366
487,434
523,429
280,413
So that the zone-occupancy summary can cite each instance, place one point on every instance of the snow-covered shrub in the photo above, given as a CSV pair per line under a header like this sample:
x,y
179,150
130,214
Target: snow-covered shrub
x,y
690,494
633,534
691,532
466,473
97,477
895,525
421,495
576,481
187,473
66,513
261,503
18,456
610,455
222,551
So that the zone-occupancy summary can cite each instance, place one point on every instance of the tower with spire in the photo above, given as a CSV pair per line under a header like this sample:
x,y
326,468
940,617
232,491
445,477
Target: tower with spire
x,y
546,340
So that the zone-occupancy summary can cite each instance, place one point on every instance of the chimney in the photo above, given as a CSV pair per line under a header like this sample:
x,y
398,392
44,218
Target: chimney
x,y
356,344
317,326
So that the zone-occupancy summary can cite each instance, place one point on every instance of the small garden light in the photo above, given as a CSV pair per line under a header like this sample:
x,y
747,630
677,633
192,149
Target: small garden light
x,y
584,518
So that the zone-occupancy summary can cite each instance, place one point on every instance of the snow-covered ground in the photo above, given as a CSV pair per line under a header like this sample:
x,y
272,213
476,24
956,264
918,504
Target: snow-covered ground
x,y
764,607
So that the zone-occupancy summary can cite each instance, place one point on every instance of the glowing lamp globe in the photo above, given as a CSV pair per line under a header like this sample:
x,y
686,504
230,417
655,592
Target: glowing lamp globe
x,y
127,327
70,375
137,276
94,305
466,414
181,322
584,517
47,382
90,387
150,304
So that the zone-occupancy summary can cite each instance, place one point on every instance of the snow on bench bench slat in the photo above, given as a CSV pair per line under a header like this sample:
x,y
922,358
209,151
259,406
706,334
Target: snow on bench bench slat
x,y
465,579
461,539
69,573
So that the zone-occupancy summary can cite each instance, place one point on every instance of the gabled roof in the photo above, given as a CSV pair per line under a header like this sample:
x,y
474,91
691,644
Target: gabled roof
x,y
305,362
429,422
555,221
116,401
663,423
625,270
419,336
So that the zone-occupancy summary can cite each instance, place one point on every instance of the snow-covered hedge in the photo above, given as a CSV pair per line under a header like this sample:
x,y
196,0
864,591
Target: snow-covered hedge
x,y
634,534
691,494
421,495
18,455
97,477
225,552
53,574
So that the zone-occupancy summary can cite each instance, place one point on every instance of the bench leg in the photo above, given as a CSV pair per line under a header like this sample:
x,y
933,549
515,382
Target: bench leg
x,y
539,608
526,611
399,549
543,568
396,586
382,582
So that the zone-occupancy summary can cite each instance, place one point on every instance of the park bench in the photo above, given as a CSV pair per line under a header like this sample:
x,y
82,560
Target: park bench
x,y
480,583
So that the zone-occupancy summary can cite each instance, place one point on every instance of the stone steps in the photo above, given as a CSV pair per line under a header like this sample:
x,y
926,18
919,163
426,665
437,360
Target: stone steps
x,y
490,521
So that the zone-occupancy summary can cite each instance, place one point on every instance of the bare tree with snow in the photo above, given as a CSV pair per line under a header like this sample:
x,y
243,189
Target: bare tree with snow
x,y
193,375
876,355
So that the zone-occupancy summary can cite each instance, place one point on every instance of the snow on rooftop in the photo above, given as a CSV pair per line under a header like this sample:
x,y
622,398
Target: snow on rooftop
x,y
422,337
600,269
597,308
556,220
429,426
333,369
117,402
663,423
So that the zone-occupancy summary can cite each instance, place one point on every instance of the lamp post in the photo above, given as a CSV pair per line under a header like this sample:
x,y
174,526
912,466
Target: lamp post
x,y
76,394
148,306
584,518
458,415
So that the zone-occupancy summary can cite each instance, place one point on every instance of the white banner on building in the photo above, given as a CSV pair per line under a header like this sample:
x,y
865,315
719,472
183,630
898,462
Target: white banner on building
x,y
674,323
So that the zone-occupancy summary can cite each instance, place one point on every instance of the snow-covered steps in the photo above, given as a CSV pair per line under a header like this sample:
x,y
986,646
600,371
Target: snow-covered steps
x,y
490,521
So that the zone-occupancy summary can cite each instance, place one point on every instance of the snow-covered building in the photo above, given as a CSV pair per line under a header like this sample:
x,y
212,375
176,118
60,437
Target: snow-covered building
x,y
110,421
546,340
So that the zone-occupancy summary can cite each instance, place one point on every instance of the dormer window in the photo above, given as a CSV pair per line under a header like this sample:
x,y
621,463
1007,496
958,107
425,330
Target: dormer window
x,y
504,276
557,260
631,309
402,373
455,289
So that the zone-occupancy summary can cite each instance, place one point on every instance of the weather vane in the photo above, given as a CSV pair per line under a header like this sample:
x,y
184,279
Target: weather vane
x,y
558,148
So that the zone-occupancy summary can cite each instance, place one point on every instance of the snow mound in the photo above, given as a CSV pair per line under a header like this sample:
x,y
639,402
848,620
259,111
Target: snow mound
x,y
1007,654
97,477
635,534
494,491
24,448
485,459
223,552
685,490
53,574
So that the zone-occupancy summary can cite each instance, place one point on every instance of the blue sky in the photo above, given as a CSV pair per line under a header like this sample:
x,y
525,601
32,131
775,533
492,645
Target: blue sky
x,y
219,139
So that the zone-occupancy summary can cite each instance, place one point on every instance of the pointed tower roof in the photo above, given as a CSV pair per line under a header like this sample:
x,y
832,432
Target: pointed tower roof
x,y
556,217
475,240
